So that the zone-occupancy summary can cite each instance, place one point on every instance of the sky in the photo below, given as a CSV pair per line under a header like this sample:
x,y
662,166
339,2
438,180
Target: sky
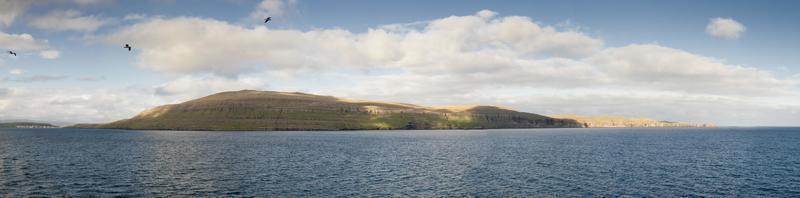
x,y
731,63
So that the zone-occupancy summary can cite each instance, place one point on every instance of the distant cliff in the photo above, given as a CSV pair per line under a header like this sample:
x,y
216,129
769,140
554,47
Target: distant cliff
x,y
268,110
617,121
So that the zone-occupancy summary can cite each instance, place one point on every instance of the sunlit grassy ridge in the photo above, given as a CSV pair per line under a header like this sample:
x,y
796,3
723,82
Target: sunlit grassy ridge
x,y
269,110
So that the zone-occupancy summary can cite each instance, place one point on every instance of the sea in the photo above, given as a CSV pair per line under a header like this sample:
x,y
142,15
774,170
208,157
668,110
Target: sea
x,y
607,162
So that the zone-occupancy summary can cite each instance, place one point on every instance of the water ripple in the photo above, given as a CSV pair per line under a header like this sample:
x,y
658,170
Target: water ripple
x,y
724,162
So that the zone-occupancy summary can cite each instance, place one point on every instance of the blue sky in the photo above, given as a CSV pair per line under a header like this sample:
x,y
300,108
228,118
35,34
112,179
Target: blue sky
x,y
619,50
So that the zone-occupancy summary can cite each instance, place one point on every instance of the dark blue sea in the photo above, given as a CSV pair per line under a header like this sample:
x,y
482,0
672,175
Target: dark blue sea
x,y
718,162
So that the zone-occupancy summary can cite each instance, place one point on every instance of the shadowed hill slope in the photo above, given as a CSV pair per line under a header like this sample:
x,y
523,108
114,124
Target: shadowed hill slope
x,y
269,110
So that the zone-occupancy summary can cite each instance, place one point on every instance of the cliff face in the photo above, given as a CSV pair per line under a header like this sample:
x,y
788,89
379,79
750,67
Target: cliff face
x,y
616,121
267,110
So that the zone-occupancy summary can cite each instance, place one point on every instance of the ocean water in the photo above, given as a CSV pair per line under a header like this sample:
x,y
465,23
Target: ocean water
x,y
719,162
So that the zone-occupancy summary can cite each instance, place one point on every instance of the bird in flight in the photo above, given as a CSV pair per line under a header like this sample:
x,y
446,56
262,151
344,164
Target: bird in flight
x,y
267,19
127,46
12,53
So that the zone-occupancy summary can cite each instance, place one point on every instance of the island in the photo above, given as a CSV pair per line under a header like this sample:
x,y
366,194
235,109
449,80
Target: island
x,y
250,110
26,125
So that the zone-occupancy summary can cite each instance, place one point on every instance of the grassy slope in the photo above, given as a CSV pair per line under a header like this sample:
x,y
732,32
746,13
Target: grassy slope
x,y
266,110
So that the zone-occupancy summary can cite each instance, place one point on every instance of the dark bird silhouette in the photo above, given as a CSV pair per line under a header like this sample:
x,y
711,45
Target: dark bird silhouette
x,y
267,19
127,46
12,53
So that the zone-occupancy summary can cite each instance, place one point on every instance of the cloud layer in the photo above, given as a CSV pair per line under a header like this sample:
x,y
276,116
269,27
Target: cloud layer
x,y
192,45
68,20
480,50
10,9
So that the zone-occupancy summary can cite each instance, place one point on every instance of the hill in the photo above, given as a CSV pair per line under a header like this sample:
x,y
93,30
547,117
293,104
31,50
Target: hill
x,y
617,121
26,125
269,110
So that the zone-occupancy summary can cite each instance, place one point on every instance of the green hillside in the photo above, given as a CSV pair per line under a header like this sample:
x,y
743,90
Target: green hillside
x,y
268,110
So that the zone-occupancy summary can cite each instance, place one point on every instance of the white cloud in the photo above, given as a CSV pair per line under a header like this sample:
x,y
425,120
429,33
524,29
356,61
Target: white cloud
x,y
457,51
725,28
193,86
448,53
486,14
16,72
68,20
273,8
10,9
190,45
135,17
24,42
665,68
72,105
49,54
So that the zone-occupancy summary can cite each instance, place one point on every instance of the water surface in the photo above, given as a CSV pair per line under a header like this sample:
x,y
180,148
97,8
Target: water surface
x,y
719,162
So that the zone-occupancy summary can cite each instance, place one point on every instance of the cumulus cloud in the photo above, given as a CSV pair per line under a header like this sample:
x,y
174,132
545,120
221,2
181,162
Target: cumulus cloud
x,y
448,53
68,20
49,54
21,42
725,28
190,45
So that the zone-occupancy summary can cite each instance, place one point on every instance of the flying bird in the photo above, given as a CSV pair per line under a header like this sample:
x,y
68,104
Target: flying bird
x,y
127,46
267,19
12,53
